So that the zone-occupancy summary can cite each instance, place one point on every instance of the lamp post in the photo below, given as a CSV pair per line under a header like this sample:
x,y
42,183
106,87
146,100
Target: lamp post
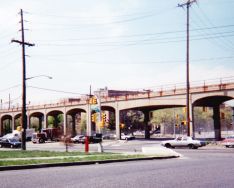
x,y
24,116
41,75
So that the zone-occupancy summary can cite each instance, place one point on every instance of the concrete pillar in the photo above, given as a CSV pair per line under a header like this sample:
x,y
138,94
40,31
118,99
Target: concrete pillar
x,y
146,122
1,126
13,123
217,124
56,121
65,123
40,118
28,121
117,124
73,124
45,121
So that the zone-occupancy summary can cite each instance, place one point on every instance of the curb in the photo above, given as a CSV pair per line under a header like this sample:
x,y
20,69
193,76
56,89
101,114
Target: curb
x,y
23,167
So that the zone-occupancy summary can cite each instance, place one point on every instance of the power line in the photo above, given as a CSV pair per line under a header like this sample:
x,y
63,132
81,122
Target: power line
x,y
57,91
140,35
111,62
220,43
3,90
211,23
126,42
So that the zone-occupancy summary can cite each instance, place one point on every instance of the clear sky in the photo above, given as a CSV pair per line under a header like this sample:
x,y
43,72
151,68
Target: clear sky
x,y
119,44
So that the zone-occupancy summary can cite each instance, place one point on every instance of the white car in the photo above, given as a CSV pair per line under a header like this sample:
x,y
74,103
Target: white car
x,y
182,141
78,139
229,141
127,136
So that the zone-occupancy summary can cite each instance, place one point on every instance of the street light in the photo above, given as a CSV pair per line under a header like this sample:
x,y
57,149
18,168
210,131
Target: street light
x,y
41,75
24,118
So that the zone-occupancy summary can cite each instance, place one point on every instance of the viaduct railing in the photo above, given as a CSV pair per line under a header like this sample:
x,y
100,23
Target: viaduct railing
x,y
167,90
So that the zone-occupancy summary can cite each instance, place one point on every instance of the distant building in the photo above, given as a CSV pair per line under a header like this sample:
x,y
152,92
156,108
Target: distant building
x,y
115,93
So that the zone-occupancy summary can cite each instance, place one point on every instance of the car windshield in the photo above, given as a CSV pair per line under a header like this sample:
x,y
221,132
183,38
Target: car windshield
x,y
13,140
7,135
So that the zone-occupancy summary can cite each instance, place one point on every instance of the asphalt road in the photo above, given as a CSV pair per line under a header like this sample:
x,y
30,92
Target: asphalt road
x,y
211,167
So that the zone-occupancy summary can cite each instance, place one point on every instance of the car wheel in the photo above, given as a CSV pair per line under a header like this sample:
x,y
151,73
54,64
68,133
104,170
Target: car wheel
x,y
227,146
168,145
191,146
41,140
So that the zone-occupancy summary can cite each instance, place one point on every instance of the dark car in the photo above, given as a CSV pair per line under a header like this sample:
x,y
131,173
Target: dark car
x,y
10,143
95,138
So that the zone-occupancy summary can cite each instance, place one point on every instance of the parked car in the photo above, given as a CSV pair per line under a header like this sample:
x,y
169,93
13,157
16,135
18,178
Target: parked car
x,y
228,141
182,141
95,138
127,136
78,139
109,136
10,142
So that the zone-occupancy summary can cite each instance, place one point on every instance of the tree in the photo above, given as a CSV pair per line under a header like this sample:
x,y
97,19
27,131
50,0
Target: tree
x,y
133,120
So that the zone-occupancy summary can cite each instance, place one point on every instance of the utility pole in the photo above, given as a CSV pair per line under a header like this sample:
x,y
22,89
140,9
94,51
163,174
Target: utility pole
x,y
9,101
187,4
23,116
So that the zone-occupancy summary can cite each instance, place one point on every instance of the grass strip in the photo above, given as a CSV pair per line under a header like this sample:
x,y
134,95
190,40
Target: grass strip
x,y
95,157
37,153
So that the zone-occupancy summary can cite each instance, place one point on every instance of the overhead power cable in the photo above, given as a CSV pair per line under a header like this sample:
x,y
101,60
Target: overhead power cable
x,y
139,35
57,91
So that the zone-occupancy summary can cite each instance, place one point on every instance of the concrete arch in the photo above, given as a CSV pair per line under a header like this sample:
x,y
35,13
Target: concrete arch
x,y
54,112
6,127
17,121
75,110
40,117
6,116
153,107
73,121
211,101
56,123
107,108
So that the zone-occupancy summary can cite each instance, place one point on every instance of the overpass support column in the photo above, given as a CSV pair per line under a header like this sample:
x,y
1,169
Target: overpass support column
x,y
1,126
146,122
217,125
117,123
65,123
28,121
13,123
40,123
45,121
73,124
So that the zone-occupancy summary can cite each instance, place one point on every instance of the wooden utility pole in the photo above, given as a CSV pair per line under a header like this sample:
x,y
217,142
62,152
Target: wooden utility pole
x,y
187,4
23,115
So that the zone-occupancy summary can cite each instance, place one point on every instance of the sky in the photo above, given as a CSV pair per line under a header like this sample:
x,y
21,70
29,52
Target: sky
x,y
118,44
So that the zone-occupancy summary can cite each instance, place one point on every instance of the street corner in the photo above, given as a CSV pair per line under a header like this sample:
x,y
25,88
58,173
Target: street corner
x,y
159,151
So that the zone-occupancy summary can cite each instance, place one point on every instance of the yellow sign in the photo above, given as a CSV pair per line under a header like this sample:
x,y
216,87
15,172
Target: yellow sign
x,y
101,124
